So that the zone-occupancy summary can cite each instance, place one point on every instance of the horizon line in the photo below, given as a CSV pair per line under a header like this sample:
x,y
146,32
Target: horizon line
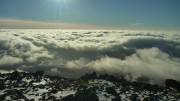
x,y
12,23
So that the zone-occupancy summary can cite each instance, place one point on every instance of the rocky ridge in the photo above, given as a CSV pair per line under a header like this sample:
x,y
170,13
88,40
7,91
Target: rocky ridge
x,y
21,86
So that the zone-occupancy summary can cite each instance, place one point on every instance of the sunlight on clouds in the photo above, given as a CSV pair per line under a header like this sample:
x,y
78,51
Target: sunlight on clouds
x,y
72,53
9,60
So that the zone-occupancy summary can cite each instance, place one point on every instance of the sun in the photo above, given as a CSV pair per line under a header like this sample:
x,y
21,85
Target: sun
x,y
60,4
65,2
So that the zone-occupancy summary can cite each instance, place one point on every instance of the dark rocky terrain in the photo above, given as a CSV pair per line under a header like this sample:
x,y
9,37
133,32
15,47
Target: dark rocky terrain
x,y
21,86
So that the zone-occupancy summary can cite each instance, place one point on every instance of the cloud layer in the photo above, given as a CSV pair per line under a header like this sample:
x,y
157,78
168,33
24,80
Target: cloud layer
x,y
71,53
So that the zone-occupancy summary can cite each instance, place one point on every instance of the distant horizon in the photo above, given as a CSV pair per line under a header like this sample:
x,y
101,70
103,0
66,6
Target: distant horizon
x,y
83,14
25,24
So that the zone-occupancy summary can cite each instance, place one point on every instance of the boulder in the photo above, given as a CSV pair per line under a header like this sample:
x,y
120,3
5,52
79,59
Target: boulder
x,y
86,95
54,91
111,90
173,83
68,98
134,97
109,78
117,98
15,75
89,76
40,73
16,94
51,98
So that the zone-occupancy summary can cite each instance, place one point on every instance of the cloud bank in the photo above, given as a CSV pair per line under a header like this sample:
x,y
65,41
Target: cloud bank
x,y
71,53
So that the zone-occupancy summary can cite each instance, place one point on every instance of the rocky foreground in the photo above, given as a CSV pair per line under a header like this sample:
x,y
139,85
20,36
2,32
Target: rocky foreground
x,y
21,86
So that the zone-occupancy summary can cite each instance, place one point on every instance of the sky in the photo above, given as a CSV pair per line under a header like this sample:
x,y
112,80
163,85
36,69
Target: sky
x,y
91,14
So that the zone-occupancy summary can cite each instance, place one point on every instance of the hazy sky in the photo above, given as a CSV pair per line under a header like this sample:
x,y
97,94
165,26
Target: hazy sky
x,y
116,14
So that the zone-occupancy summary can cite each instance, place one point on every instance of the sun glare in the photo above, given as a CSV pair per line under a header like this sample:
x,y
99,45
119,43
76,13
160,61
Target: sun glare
x,y
62,1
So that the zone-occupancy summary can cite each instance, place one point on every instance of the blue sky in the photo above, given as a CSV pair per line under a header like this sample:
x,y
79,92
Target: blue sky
x,y
115,14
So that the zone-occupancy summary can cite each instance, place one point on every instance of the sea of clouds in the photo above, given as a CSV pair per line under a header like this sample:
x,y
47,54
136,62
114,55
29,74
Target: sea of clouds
x,y
136,55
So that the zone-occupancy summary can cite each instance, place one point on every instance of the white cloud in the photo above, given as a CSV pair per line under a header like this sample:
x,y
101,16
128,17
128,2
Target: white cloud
x,y
13,44
151,54
35,56
9,60
151,63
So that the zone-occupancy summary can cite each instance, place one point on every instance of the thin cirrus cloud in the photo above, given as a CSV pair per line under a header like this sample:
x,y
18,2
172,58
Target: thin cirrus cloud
x,y
17,23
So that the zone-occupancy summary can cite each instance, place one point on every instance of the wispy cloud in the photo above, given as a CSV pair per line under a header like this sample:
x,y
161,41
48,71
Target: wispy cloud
x,y
17,23
136,25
